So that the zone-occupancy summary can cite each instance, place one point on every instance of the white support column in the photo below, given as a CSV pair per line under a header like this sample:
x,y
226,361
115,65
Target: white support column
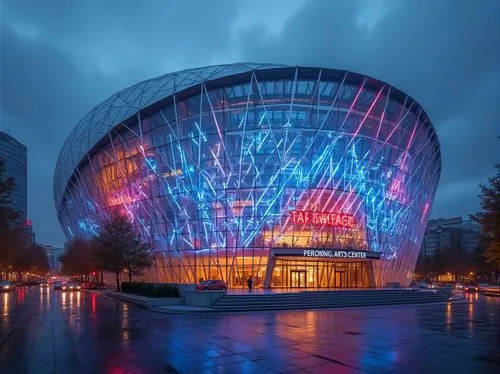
x,y
271,262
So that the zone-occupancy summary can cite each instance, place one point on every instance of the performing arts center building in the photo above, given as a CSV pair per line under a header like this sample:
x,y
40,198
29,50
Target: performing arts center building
x,y
300,176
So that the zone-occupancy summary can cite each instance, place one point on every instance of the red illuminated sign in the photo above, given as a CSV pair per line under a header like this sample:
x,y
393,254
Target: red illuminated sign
x,y
120,200
322,218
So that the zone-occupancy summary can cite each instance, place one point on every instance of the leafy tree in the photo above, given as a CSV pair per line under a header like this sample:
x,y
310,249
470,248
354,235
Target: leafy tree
x,y
489,219
79,258
32,258
122,248
454,259
138,257
423,264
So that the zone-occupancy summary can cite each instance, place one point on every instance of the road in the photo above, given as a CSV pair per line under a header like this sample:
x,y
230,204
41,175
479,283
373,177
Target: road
x,y
42,331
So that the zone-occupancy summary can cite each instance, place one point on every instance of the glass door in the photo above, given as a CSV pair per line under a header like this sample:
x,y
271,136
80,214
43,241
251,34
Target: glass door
x,y
297,278
340,279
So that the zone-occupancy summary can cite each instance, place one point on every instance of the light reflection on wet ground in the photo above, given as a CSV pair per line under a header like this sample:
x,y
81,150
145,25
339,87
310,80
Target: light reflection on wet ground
x,y
42,331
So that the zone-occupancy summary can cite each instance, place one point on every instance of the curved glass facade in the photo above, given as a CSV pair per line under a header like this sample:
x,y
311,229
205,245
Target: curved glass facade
x,y
244,174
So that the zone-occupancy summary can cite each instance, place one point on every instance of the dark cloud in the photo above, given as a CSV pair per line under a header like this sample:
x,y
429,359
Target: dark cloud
x,y
60,58
44,94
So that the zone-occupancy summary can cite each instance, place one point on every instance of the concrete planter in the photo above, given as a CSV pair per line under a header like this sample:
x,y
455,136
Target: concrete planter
x,y
202,298
146,302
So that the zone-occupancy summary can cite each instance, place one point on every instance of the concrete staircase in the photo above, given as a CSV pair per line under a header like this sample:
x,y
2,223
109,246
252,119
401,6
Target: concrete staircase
x,y
326,299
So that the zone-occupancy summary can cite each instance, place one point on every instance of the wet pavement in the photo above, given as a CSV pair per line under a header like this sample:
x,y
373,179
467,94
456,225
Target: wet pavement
x,y
42,331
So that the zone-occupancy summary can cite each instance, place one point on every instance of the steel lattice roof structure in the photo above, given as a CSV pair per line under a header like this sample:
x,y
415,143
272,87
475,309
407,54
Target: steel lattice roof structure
x,y
127,102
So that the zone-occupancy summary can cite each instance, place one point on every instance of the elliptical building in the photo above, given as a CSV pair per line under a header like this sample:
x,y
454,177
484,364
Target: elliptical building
x,y
299,176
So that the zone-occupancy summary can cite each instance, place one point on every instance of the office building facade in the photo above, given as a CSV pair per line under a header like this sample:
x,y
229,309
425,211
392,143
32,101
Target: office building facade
x,y
15,156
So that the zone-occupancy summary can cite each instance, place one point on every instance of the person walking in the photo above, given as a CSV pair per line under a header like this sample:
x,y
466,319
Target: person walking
x,y
250,283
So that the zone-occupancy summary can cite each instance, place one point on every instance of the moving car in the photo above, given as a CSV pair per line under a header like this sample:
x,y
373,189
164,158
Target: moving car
x,y
426,285
470,288
71,287
6,286
44,285
211,285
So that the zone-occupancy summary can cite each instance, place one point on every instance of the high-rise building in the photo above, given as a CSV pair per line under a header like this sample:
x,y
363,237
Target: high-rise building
x,y
15,156
450,233
53,253
297,176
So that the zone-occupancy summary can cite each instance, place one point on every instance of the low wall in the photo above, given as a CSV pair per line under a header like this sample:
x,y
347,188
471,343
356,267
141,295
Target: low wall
x,y
183,288
146,302
202,298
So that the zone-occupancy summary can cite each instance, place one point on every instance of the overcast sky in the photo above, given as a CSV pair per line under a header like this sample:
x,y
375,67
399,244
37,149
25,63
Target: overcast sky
x,y
61,58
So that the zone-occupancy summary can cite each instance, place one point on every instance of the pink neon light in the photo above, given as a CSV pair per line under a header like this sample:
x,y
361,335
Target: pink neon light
x,y
322,218
424,215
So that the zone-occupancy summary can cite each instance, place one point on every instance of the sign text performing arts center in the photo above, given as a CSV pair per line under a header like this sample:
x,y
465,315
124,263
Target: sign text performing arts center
x,y
326,253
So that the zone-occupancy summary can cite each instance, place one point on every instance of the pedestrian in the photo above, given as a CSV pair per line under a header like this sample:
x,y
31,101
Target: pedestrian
x,y
250,283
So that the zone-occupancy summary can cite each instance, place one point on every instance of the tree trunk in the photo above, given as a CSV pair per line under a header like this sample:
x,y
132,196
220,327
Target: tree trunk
x,y
102,278
129,274
117,281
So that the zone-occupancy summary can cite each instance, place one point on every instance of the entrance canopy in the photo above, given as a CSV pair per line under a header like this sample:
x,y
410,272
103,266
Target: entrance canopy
x,y
320,268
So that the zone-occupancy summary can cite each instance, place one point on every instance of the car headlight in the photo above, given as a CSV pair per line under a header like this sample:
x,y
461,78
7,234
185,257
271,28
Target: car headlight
x,y
5,287
64,288
78,287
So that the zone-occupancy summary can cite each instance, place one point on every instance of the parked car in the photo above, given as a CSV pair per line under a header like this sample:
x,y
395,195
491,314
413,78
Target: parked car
x,y
490,290
58,286
211,285
7,286
481,287
71,287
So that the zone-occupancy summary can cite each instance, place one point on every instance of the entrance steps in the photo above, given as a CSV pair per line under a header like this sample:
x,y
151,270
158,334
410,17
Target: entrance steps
x,y
326,299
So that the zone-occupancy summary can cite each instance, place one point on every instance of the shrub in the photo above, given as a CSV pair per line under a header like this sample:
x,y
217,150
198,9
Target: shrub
x,y
151,289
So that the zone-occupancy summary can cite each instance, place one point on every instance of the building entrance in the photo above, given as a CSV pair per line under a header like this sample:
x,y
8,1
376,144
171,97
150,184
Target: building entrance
x,y
297,278
291,273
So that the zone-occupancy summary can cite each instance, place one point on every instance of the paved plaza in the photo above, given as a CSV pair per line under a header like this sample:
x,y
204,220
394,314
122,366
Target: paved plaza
x,y
42,331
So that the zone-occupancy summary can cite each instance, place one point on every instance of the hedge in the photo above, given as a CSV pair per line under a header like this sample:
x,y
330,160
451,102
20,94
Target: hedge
x,y
151,289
